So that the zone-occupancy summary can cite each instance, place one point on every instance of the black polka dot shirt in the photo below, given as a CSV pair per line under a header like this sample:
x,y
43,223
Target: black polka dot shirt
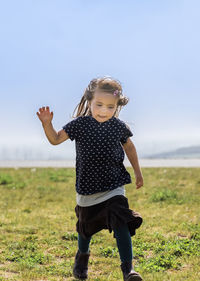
x,y
99,153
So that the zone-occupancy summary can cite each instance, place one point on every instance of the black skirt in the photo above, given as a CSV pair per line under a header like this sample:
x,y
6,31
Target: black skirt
x,y
110,214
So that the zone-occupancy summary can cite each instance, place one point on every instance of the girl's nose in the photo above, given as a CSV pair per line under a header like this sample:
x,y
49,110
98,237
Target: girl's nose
x,y
103,109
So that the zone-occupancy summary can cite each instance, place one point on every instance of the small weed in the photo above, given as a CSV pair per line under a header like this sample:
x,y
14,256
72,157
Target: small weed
x,y
179,247
28,211
5,179
194,230
109,252
96,240
72,236
163,195
20,185
55,178
58,177
9,183
159,263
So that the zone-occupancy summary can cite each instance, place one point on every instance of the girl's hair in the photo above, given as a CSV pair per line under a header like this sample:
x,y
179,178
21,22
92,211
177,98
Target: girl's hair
x,y
106,84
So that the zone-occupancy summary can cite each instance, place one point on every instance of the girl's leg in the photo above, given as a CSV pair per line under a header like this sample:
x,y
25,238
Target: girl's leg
x,y
83,244
124,243
80,269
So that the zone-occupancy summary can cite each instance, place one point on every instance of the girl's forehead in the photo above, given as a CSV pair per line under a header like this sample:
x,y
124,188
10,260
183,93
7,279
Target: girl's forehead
x,y
105,97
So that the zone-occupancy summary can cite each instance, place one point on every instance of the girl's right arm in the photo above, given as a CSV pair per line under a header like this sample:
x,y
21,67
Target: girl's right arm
x,y
46,117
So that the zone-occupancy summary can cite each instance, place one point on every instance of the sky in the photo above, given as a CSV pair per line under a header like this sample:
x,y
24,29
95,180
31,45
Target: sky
x,y
50,50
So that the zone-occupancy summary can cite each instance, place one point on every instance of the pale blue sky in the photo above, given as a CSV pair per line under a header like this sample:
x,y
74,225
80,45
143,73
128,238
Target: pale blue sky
x,y
50,50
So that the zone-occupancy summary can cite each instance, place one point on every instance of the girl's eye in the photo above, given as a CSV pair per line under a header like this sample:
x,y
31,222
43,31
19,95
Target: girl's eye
x,y
98,104
111,107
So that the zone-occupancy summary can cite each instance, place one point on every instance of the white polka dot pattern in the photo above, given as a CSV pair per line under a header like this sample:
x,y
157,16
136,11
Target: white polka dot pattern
x,y
99,153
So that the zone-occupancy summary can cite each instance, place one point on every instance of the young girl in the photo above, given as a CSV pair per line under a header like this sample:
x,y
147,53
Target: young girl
x,y
101,139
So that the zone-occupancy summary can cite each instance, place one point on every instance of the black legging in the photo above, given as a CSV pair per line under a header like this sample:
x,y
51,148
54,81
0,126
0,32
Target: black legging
x,y
123,239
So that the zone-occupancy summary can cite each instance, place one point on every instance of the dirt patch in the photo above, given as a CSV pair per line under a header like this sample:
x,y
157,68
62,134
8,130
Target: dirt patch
x,y
4,272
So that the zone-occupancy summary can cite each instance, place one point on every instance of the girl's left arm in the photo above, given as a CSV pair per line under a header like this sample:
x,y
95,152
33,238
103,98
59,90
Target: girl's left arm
x,y
131,153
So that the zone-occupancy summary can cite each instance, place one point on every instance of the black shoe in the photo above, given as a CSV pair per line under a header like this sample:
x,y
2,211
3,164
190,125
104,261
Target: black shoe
x,y
128,273
80,269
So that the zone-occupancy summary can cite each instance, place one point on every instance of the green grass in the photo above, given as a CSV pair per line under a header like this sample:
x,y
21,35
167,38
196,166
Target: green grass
x,y
38,239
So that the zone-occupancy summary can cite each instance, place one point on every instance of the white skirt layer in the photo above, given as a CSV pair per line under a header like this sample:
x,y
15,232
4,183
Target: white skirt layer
x,y
90,200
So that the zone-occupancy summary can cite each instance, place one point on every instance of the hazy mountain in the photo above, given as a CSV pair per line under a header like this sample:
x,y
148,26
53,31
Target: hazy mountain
x,y
184,152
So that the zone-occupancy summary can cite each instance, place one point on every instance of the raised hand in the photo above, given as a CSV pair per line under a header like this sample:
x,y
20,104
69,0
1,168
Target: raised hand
x,y
45,115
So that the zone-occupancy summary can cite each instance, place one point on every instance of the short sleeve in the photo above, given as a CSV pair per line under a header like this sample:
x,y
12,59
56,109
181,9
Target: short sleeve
x,y
126,133
72,129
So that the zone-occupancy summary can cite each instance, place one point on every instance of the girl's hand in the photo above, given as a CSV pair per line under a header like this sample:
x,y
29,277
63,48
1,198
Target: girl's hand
x,y
139,181
45,115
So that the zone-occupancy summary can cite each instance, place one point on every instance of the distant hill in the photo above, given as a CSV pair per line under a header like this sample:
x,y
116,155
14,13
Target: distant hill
x,y
184,152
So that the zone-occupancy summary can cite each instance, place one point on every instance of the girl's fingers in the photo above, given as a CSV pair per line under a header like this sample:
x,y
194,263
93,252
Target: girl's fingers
x,y
44,112
139,184
41,109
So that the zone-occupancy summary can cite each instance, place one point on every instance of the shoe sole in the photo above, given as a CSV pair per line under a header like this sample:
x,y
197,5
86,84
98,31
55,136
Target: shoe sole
x,y
134,278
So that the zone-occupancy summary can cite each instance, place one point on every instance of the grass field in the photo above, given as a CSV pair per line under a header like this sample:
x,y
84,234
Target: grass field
x,y
38,240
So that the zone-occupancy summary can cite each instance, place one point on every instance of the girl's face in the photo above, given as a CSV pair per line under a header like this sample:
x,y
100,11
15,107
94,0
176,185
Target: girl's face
x,y
103,106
